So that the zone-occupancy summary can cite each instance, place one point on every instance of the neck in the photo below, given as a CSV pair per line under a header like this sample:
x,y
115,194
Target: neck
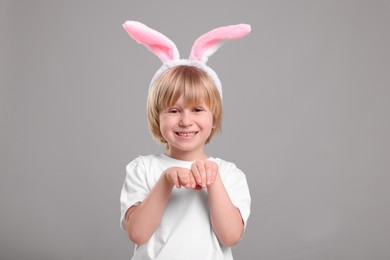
x,y
192,157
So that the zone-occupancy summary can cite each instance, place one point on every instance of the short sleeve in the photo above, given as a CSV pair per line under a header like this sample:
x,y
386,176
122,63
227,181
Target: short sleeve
x,y
135,188
237,188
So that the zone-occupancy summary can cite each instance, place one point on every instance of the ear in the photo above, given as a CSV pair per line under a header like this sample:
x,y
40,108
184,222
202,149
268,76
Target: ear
x,y
207,44
156,42
214,124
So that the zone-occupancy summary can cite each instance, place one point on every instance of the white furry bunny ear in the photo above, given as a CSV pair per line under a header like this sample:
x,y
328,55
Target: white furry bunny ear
x,y
207,44
156,42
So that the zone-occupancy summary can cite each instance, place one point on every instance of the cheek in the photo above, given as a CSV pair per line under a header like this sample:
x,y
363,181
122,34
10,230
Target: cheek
x,y
165,124
210,122
162,127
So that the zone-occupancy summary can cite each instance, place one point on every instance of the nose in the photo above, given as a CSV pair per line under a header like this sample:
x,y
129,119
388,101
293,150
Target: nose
x,y
185,119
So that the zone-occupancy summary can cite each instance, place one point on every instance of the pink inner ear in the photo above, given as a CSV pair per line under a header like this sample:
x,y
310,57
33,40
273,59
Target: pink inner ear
x,y
209,43
156,42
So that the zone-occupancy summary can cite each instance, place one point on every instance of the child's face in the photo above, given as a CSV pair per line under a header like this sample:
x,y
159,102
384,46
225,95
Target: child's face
x,y
186,129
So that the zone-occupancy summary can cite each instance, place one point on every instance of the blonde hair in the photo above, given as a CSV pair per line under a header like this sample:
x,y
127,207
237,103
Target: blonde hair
x,y
196,86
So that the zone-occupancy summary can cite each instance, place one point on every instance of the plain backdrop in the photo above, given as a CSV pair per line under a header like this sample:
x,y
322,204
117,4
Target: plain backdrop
x,y
306,117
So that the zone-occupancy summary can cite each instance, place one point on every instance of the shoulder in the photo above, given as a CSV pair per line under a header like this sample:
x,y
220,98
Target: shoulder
x,y
145,161
223,163
233,178
228,168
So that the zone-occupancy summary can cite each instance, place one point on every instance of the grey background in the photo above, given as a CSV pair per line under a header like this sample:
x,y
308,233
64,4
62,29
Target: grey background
x,y
306,99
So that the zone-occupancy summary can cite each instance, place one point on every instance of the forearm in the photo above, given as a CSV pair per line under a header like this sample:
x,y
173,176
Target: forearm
x,y
143,220
225,217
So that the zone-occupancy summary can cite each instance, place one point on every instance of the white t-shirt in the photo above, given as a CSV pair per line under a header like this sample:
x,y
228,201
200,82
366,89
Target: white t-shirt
x,y
185,231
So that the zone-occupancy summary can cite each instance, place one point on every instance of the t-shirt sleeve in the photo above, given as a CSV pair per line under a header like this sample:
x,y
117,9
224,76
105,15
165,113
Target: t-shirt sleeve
x,y
237,188
135,188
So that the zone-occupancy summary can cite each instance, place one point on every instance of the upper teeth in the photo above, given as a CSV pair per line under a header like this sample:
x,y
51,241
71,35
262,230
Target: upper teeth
x,y
186,134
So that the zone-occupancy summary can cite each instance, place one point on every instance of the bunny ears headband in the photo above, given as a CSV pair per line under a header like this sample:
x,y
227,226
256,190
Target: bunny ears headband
x,y
205,46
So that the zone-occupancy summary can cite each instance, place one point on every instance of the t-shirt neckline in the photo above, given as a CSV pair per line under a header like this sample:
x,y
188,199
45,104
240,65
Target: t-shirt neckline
x,y
167,157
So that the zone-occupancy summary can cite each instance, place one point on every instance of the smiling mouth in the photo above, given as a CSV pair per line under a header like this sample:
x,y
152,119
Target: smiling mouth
x,y
186,134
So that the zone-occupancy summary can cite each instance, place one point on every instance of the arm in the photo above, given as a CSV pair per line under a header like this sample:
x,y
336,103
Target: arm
x,y
225,217
143,219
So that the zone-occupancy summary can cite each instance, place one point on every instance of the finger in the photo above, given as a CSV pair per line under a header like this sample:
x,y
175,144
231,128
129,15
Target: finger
x,y
202,172
175,180
209,177
198,187
184,178
192,181
188,180
171,177
196,174
212,171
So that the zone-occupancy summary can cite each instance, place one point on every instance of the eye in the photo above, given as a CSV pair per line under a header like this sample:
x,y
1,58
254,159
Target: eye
x,y
173,110
198,109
